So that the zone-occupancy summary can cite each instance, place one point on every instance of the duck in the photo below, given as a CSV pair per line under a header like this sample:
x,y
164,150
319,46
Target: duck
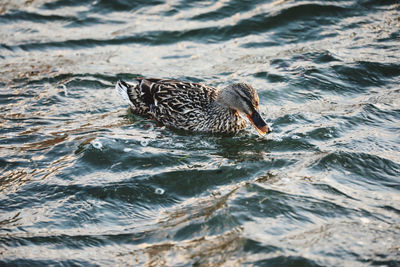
x,y
194,107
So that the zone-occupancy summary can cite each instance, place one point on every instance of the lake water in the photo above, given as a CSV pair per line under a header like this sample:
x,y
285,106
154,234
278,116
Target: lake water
x,y
85,182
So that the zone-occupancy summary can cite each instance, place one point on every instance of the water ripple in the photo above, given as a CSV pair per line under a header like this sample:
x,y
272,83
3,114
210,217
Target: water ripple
x,y
84,181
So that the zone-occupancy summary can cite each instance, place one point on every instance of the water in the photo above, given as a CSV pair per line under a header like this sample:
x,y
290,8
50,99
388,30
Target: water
x,y
85,182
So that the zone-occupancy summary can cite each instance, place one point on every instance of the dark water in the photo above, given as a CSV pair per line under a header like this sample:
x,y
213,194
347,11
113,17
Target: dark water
x,y
83,181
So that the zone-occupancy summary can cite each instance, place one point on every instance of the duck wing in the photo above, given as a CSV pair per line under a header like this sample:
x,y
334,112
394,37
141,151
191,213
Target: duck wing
x,y
175,94
174,103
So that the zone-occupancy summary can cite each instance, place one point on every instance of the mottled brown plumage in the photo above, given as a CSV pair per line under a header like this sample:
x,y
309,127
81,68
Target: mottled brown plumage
x,y
193,106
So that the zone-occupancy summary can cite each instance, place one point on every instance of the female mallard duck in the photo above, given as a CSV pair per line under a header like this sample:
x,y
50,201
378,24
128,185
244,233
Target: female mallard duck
x,y
194,107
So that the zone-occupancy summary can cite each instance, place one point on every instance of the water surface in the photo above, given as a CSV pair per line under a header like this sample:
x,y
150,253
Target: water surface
x,y
85,182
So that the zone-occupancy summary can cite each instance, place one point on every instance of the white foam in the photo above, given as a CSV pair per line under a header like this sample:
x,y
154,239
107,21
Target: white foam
x,y
159,191
97,144
144,142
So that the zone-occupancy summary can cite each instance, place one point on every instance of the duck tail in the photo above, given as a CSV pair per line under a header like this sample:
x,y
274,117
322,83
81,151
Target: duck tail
x,y
122,88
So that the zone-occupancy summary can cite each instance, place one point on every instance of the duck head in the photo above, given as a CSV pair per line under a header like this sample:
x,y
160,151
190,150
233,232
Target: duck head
x,y
244,99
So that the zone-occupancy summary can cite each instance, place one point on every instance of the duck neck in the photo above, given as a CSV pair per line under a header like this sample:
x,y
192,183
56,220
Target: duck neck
x,y
220,109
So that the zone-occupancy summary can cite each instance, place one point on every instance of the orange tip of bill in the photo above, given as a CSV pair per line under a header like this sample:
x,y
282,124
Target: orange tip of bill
x,y
263,130
258,123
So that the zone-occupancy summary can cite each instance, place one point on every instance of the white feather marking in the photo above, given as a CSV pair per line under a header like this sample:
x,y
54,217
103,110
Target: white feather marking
x,y
140,87
122,91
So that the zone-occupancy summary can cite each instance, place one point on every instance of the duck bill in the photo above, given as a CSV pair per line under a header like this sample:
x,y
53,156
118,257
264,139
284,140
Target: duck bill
x,y
259,124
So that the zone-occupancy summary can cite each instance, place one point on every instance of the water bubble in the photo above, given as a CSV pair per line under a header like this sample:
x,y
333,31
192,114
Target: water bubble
x,y
296,137
97,144
144,142
159,191
273,172
127,149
